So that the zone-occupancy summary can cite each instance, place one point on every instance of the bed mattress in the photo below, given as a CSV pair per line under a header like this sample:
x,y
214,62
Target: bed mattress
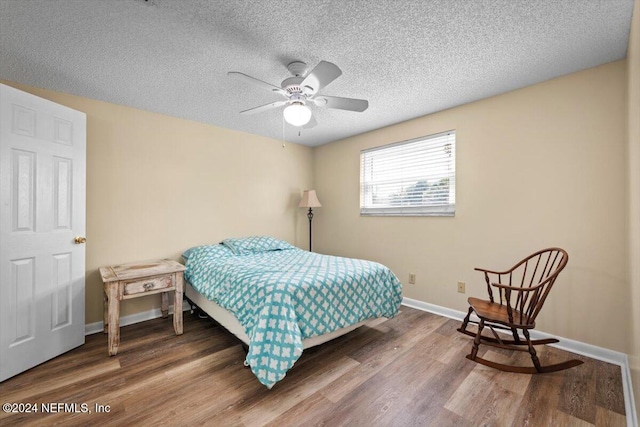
x,y
281,296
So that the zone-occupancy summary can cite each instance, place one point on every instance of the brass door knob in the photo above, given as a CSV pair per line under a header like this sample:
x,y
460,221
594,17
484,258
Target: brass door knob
x,y
79,240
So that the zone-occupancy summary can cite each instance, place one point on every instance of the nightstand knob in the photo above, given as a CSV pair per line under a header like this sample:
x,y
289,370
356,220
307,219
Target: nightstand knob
x,y
148,286
79,240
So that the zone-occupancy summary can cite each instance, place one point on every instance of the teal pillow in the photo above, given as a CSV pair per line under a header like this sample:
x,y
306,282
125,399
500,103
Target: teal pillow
x,y
256,244
211,251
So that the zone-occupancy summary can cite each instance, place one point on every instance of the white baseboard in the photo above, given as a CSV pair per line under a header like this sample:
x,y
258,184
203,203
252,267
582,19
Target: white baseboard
x,y
93,328
592,351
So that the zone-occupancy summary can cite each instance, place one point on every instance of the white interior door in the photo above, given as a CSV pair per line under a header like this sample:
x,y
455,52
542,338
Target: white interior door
x,y
42,210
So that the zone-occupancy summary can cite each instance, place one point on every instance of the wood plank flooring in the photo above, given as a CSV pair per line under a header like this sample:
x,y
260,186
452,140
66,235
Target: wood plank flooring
x,y
406,371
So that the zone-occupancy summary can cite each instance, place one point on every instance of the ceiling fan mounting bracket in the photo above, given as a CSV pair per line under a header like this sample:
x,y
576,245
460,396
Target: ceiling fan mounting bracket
x,y
297,68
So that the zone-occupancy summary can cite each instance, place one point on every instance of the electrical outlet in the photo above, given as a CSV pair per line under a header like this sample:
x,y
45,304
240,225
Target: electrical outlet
x,y
412,279
461,287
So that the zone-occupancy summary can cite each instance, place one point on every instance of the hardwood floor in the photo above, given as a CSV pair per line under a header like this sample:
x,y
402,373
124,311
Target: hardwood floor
x,y
406,371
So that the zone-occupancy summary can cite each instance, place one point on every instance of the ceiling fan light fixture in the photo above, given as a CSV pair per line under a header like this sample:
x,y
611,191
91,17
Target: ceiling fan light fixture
x,y
297,114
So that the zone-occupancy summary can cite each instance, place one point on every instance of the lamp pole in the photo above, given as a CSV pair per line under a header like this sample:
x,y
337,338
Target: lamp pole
x,y
309,200
310,216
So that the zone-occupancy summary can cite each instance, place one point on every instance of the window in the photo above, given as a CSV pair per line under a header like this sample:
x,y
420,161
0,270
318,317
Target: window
x,y
410,178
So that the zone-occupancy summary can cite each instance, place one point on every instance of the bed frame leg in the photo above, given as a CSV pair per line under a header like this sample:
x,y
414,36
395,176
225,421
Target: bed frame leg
x,y
192,305
245,347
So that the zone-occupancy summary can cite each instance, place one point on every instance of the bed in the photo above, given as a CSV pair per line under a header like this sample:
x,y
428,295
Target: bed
x,y
279,299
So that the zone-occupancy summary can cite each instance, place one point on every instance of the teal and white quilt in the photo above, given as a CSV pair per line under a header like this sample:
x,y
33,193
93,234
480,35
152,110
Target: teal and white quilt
x,y
282,295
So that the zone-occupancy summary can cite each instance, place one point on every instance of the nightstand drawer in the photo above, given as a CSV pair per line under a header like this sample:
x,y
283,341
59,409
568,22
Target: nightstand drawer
x,y
148,285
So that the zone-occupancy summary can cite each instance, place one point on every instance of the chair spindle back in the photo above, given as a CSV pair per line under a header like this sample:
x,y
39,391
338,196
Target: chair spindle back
x,y
538,271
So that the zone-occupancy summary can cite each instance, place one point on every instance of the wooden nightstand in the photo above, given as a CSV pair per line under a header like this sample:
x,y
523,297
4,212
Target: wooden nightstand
x,y
136,280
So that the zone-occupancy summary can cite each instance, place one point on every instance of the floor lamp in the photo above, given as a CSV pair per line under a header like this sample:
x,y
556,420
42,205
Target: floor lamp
x,y
309,200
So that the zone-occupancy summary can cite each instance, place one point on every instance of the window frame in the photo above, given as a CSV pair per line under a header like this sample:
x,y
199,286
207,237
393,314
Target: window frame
x,y
443,210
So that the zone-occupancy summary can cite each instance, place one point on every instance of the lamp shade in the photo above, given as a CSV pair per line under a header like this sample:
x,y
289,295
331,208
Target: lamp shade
x,y
297,115
309,200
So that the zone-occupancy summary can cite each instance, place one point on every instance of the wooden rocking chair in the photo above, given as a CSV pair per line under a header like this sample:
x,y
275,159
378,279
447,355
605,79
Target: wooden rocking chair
x,y
519,302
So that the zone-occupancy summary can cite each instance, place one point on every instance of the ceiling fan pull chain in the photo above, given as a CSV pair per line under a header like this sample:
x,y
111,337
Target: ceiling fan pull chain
x,y
284,141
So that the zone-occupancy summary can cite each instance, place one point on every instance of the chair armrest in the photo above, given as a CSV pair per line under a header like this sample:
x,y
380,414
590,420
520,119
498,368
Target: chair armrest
x,y
490,271
516,288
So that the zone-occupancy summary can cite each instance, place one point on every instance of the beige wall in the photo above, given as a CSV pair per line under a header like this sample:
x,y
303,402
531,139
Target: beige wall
x,y
537,167
157,185
633,73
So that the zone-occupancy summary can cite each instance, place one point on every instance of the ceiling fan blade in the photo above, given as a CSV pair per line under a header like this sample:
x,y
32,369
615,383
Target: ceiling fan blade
x,y
339,103
323,74
265,107
257,82
312,123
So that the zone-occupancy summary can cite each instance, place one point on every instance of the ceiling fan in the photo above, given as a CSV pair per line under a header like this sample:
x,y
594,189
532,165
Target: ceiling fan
x,y
302,90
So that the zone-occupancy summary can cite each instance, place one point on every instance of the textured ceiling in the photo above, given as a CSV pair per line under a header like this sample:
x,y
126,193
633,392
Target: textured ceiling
x,y
408,58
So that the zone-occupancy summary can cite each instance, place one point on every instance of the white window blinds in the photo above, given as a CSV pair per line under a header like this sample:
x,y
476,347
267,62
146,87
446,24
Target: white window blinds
x,y
412,178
